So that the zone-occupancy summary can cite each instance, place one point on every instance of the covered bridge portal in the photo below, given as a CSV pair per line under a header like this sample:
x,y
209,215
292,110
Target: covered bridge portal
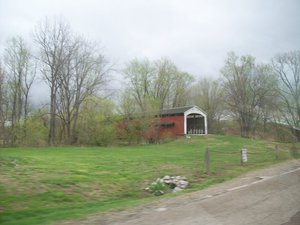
x,y
189,120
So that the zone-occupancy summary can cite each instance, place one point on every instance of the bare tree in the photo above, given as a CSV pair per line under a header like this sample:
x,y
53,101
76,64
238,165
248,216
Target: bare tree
x,y
287,68
21,74
208,94
157,84
140,74
82,76
247,85
3,103
165,72
53,38
180,91
74,69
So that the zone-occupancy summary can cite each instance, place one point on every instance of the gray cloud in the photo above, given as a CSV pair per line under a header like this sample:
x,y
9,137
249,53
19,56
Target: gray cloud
x,y
196,35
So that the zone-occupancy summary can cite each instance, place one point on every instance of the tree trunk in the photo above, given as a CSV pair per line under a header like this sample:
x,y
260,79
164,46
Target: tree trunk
x,y
52,128
74,127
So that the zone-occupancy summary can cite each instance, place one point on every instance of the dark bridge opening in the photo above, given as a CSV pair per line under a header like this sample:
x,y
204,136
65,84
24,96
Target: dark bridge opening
x,y
195,124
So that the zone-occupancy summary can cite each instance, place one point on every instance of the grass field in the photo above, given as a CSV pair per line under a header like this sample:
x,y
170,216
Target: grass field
x,y
44,185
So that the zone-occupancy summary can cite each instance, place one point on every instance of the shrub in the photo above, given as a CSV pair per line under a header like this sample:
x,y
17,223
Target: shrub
x,y
157,188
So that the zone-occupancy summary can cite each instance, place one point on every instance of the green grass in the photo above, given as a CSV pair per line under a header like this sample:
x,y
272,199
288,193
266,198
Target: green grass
x,y
44,185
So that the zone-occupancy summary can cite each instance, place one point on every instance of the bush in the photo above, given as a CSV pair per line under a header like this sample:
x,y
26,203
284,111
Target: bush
x,y
100,133
35,132
157,188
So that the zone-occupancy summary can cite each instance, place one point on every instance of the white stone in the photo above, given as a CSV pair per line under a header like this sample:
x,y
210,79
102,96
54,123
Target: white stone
x,y
166,177
161,209
177,183
177,189
183,178
183,184
168,181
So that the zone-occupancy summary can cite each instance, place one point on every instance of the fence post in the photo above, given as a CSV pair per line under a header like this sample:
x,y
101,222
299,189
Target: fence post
x,y
276,152
207,161
293,150
244,158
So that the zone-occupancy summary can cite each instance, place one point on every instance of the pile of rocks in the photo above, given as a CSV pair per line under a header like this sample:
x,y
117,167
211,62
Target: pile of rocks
x,y
175,183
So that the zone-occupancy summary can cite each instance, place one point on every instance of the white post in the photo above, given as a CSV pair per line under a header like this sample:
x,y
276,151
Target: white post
x,y
184,124
205,125
244,157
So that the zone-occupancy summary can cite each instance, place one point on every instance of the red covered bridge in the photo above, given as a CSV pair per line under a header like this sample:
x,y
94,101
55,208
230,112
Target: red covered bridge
x,y
189,120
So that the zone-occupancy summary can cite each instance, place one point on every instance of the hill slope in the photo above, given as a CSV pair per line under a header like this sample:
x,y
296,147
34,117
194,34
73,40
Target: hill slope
x,y
43,185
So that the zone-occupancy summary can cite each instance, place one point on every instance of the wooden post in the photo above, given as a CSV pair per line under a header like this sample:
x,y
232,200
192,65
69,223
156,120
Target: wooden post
x,y
276,152
244,158
242,163
293,150
207,161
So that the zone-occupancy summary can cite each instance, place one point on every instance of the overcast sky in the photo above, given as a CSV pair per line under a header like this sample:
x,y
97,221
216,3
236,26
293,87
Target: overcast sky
x,y
195,34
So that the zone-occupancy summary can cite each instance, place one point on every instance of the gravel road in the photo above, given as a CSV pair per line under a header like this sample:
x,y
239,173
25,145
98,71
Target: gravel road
x,y
268,196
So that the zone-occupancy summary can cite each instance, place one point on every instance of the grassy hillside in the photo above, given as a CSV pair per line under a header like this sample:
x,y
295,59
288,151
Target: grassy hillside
x,y
43,185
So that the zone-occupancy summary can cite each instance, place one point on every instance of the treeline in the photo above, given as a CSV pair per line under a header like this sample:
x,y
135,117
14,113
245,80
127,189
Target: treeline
x,y
72,67
255,96
251,98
